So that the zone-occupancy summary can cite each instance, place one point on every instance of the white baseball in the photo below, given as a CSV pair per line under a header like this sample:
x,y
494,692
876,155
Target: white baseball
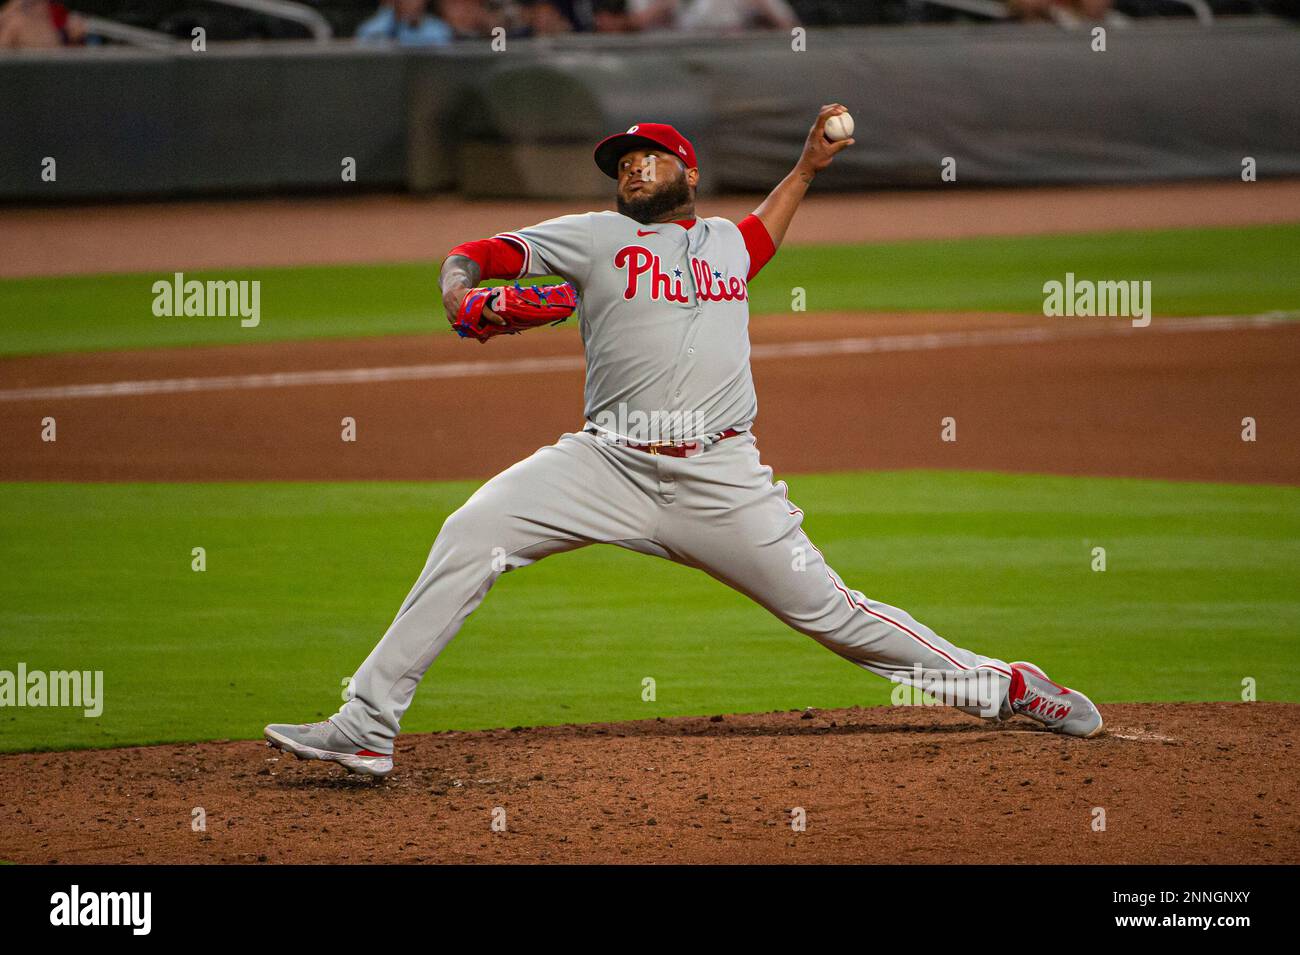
x,y
839,126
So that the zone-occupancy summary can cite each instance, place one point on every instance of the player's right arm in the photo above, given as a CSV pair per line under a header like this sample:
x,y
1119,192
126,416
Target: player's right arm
x,y
779,207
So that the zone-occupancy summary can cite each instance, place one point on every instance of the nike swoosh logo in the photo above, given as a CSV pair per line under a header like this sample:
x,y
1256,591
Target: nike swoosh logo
x,y
639,232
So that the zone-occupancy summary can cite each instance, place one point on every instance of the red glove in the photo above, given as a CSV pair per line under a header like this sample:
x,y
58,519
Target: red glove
x,y
522,308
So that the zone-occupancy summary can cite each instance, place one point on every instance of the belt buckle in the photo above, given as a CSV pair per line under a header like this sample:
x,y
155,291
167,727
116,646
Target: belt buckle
x,y
689,448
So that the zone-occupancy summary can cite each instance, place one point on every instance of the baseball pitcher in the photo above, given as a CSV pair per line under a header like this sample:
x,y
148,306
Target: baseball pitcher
x,y
666,462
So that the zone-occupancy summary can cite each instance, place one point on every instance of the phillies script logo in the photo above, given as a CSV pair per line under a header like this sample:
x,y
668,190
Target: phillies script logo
x,y
644,265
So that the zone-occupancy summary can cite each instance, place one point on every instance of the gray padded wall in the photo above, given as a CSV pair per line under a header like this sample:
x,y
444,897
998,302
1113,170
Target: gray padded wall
x,y
1011,103
122,123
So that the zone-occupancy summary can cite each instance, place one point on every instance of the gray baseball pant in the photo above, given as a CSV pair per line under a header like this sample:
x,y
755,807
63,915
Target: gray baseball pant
x,y
718,511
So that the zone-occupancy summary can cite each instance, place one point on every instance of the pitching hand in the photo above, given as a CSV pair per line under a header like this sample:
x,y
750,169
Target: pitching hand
x,y
818,151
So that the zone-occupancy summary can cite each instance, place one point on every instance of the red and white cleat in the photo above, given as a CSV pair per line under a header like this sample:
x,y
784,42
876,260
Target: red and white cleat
x,y
1059,708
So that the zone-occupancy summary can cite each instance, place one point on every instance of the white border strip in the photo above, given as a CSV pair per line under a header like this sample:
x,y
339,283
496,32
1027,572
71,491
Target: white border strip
x,y
532,366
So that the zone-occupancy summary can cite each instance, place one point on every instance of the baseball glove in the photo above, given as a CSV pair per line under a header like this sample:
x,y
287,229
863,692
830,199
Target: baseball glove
x,y
522,308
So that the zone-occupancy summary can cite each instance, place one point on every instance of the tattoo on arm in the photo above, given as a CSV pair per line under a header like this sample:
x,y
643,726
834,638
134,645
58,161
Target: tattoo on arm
x,y
459,271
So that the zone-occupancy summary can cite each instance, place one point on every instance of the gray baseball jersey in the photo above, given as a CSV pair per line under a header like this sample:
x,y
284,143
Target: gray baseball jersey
x,y
664,316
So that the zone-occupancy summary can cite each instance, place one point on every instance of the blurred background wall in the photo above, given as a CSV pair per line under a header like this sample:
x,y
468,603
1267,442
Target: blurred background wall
x,y
1011,101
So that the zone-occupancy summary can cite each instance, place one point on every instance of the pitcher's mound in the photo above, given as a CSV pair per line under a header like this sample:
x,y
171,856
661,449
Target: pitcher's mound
x,y
1167,783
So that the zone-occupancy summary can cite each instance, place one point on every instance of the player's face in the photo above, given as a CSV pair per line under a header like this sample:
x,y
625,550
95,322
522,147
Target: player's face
x,y
653,186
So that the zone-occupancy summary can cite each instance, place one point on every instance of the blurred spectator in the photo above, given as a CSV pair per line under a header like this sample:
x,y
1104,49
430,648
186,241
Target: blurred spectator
x,y
39,25
1088,9
581,14
611,16
467,18
652,14
544,18
1060,11
1030,9
407,22
711,15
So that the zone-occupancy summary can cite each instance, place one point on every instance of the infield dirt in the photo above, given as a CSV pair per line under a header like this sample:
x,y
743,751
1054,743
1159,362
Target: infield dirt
x,y
1177,783
190,236
1095,397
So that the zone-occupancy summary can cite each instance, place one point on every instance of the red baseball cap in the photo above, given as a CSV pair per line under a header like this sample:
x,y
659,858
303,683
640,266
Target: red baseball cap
x,y
643,136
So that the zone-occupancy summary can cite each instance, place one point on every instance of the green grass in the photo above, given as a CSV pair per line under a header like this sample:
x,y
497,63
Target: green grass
x,y
302,579
1193,272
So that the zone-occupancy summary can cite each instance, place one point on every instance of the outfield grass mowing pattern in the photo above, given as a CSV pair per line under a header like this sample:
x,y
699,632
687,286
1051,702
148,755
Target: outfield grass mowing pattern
x,y
1236,271
302,579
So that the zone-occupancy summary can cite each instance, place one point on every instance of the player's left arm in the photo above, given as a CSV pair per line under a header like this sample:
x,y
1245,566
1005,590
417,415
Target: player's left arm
x,y
466,266
773,216
560,246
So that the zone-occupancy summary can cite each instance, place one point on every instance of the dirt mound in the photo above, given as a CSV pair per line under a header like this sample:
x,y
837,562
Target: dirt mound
x,y
1178,783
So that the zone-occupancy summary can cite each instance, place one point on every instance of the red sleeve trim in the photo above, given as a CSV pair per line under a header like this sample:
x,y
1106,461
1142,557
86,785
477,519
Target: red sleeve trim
x,y
758,242
496,258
